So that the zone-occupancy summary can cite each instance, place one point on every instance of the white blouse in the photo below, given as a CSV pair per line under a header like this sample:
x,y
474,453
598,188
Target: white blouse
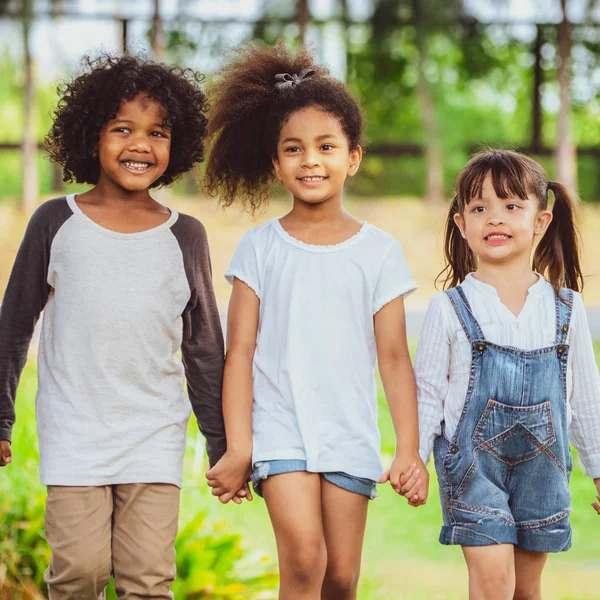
x,y
443,361
315,397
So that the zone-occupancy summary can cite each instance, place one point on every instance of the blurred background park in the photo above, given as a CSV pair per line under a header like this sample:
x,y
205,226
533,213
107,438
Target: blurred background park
x,y
437,79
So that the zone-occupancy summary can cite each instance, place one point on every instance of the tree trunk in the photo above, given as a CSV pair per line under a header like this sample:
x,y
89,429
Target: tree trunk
x,y
302,16
30,196
124,36
434,191
536,117
156,40
566,154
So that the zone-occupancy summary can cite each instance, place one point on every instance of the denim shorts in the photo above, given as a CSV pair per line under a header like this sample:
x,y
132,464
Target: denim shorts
x,y
264,469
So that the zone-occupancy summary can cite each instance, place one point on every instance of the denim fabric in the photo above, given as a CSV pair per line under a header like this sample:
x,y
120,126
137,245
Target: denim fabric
x,y
264,469
504,476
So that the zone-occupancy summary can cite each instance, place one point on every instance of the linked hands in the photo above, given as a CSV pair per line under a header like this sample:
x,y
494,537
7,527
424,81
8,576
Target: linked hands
x,y
595,505
409,478
5,453
229,478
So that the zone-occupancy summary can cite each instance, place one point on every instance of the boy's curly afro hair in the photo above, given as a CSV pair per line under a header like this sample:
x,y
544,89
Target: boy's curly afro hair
x,y
92,99
248,112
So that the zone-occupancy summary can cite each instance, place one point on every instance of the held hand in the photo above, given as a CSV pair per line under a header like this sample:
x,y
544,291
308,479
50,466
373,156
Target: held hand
x,y
5,453
229,478
409,478
595,505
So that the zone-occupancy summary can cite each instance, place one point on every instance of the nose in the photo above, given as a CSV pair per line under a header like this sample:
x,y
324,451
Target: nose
x,y
139,143
495,218
310,159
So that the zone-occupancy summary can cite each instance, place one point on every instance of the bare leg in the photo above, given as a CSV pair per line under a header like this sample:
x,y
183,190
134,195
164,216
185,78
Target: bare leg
x,y
344,520
491,571
294,504
528,571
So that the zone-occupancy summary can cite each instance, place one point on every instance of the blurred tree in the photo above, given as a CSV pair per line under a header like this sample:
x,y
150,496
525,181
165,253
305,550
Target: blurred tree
x,y
302,18
565,152
156,32
30,192
392,66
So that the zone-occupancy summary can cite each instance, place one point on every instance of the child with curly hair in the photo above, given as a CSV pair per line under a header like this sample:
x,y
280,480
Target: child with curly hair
x,y
318,297
124,282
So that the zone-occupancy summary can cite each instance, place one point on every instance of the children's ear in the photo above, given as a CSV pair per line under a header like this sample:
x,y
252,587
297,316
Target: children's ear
x,y
355,158
460,223
542,222
276,166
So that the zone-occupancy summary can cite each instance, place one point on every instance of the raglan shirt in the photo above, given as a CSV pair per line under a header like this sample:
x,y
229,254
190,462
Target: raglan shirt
x,y
111,406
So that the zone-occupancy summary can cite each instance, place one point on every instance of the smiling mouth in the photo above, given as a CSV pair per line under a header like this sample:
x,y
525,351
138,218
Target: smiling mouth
x,y
313,179
496,237
135,166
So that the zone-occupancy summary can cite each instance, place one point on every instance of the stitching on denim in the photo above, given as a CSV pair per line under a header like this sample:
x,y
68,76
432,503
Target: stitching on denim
x,y
468,476
467,307
484,510
452,295
488,445
557,463
474,535
539,523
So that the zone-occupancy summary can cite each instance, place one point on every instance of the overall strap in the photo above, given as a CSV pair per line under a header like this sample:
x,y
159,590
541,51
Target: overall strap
x,y
464,314
564,308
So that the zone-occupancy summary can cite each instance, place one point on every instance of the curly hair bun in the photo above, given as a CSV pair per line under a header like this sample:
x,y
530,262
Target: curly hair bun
x,y
249,106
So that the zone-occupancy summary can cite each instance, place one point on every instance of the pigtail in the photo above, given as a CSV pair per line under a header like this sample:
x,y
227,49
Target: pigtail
x,y
557,255
459,258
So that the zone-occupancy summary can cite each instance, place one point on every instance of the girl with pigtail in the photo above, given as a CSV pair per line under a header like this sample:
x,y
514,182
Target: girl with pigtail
x,y
506,374
318,298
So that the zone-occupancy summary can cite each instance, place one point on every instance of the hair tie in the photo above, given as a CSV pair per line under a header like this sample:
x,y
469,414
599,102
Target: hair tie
x,y
285,80
550,184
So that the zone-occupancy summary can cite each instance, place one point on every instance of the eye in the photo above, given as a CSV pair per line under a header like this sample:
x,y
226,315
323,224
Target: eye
x,y
327,147
512,207
122,130
159,134
478,209
292,149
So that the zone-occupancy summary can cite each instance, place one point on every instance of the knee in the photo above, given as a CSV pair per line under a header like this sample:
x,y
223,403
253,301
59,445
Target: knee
x,y
498,584
307,564
527,591
341,580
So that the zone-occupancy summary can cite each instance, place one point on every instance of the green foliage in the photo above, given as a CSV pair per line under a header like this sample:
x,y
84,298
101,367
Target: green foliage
x,y
211,561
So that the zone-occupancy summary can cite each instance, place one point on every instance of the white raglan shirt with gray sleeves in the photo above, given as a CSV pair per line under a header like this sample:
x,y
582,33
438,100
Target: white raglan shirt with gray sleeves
x,y
315,395
110,406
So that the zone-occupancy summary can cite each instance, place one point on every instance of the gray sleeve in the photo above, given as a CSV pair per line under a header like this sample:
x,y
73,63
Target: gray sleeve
x,y
24,299
202,348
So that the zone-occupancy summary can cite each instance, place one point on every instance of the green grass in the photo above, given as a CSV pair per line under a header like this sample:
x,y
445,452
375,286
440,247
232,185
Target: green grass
x,y
402,557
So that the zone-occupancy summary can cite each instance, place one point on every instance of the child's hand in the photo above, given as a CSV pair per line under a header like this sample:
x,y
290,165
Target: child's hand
x,y
229,478
596,505
409,477
5,453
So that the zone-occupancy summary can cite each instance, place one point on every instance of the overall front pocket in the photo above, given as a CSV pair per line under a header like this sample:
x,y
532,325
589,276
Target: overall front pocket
x,y
514,434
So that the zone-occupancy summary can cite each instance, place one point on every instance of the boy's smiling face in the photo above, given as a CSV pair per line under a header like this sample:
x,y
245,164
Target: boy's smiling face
x,y
133,148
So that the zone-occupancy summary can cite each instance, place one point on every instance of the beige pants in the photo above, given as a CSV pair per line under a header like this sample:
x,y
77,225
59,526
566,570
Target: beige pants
x,y
128,530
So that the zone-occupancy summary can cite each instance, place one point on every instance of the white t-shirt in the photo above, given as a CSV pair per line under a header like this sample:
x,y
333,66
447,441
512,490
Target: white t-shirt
x,y
315,396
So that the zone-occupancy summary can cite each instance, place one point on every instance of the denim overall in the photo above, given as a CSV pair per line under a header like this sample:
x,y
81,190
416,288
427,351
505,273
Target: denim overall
x,y
504,476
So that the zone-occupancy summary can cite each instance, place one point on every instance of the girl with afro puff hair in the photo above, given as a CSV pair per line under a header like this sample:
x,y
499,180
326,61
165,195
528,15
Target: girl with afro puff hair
x,y
317,298
124,282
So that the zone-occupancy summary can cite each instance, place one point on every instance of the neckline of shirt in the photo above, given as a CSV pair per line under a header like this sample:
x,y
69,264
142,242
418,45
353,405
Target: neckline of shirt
x,y
117,234
534,290
318,248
